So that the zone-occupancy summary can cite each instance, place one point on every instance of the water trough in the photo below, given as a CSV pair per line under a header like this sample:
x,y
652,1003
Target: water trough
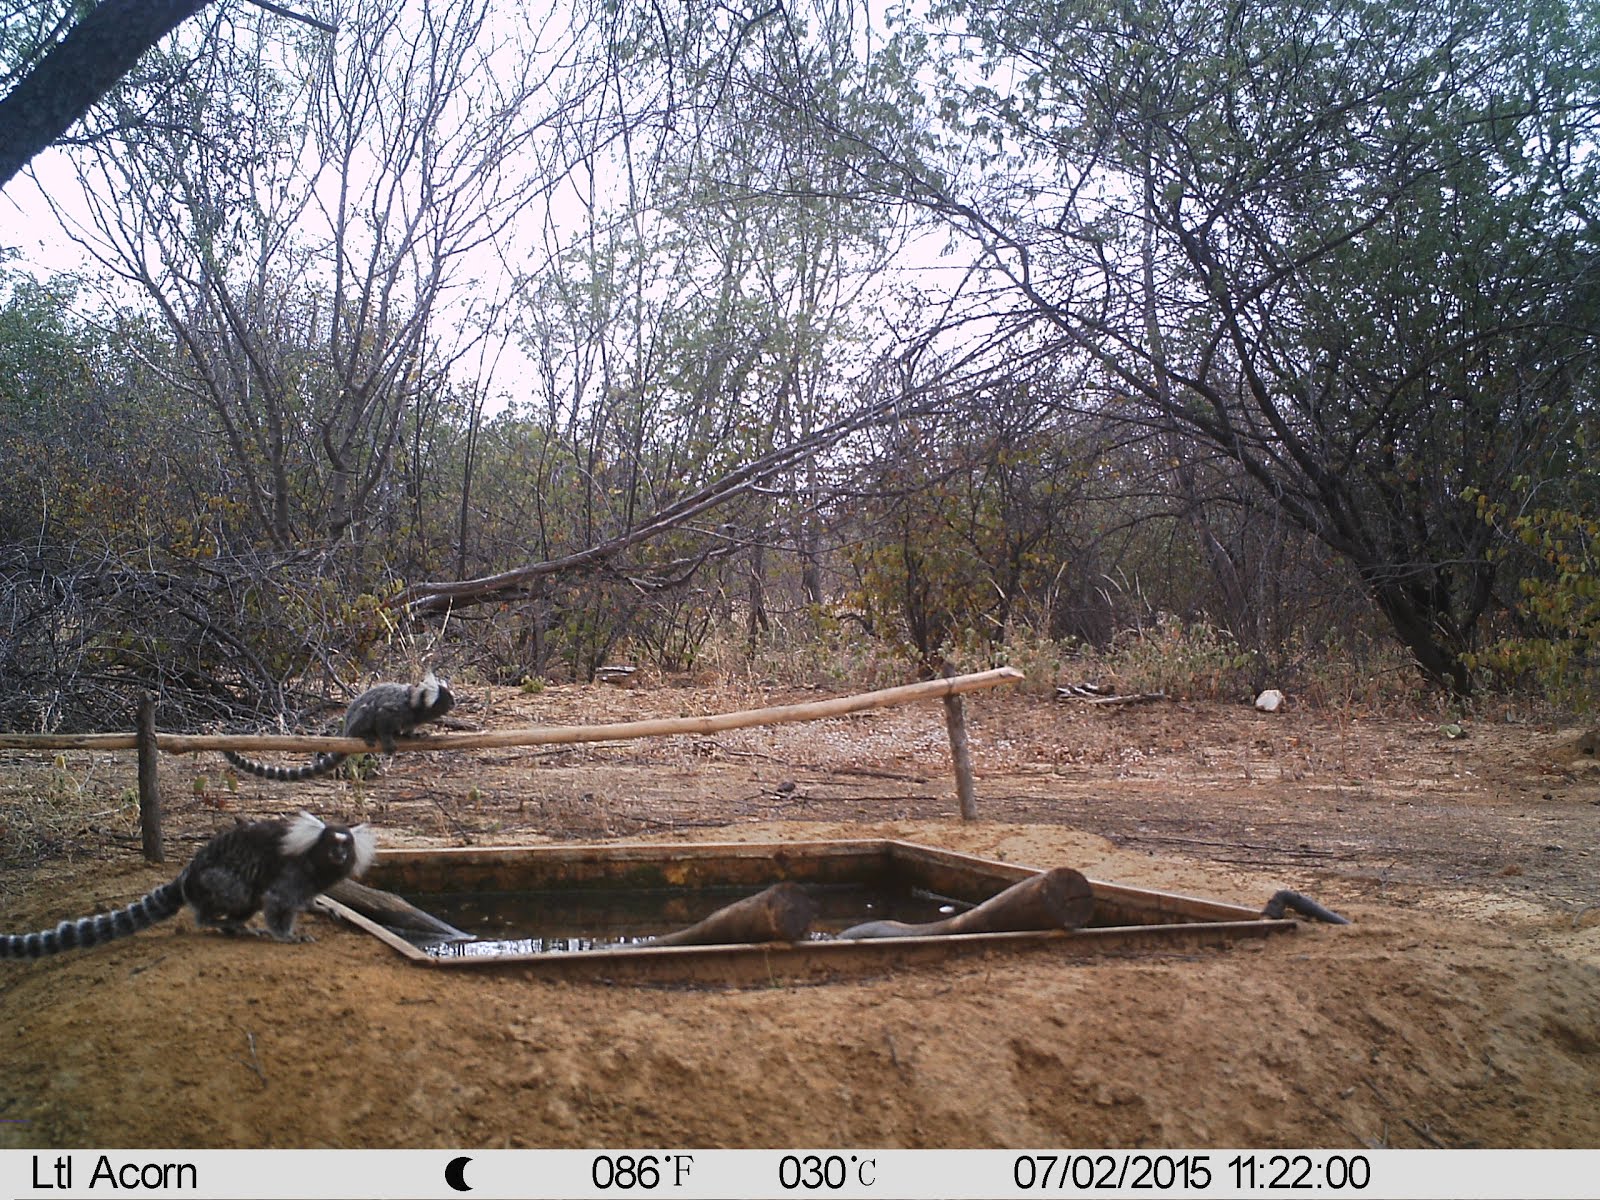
x,y
582,911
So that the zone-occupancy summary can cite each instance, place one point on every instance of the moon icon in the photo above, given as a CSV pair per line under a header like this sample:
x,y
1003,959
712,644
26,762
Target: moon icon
x,y
455,1174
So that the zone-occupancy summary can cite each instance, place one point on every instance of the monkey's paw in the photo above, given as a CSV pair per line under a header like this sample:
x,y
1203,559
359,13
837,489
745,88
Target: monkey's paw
x,y
237,929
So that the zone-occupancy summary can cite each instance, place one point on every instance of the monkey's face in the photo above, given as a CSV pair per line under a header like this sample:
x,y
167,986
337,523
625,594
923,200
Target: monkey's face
x,y
340,854
431,698
338,849
329,852
361,847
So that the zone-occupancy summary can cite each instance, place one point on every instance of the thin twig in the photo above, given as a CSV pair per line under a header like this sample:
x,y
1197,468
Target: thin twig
x,y
303,18
254,1062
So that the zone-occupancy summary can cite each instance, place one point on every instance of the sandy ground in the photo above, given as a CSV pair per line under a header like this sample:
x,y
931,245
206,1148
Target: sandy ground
x,y
1461,1009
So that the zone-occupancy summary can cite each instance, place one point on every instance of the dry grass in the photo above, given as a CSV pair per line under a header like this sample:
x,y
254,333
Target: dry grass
x,y
52,806
1187,660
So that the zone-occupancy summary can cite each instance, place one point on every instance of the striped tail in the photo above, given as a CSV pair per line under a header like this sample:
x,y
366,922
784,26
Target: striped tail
x,y
144,912
320,765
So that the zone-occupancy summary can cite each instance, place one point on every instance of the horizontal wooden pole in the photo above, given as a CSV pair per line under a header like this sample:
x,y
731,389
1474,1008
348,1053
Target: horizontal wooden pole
x,y
539,735
70,741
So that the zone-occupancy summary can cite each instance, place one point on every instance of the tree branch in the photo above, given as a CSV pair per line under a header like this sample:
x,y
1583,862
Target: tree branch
x,y
435,597
84,65
303,18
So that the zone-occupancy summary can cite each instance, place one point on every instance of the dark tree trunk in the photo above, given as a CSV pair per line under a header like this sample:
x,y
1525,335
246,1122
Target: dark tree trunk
x,y
1420,632
84,66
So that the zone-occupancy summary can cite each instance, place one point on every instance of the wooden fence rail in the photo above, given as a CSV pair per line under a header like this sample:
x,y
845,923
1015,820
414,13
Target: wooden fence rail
x,y
537,735
948,689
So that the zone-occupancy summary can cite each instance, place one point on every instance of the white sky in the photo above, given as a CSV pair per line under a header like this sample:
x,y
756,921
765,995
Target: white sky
x,y
30,228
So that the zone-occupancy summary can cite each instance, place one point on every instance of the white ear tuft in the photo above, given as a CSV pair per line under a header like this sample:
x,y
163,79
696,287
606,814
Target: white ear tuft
x,y
303,833
426,693
366,846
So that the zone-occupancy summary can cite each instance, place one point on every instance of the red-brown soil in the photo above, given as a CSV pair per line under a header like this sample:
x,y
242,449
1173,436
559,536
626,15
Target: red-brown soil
x,y
1461,1009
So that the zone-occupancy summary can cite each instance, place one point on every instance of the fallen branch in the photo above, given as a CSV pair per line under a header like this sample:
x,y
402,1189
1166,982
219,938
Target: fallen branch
x,y
1058,899
1294,852
254,1061
442,595
782,913
1090,694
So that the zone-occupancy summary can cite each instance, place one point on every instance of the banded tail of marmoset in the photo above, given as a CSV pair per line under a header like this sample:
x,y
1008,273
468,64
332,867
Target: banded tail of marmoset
x,y
377,715
273,867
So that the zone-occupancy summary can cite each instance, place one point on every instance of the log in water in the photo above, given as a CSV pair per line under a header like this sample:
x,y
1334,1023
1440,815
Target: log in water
x,y
1058,899
782,913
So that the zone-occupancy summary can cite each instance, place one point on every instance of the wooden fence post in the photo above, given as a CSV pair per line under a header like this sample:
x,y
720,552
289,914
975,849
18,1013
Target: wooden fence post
x,y
149,784
955,720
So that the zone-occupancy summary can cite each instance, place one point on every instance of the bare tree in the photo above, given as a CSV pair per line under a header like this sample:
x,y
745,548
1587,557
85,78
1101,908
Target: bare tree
x,y
300,210
522,580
